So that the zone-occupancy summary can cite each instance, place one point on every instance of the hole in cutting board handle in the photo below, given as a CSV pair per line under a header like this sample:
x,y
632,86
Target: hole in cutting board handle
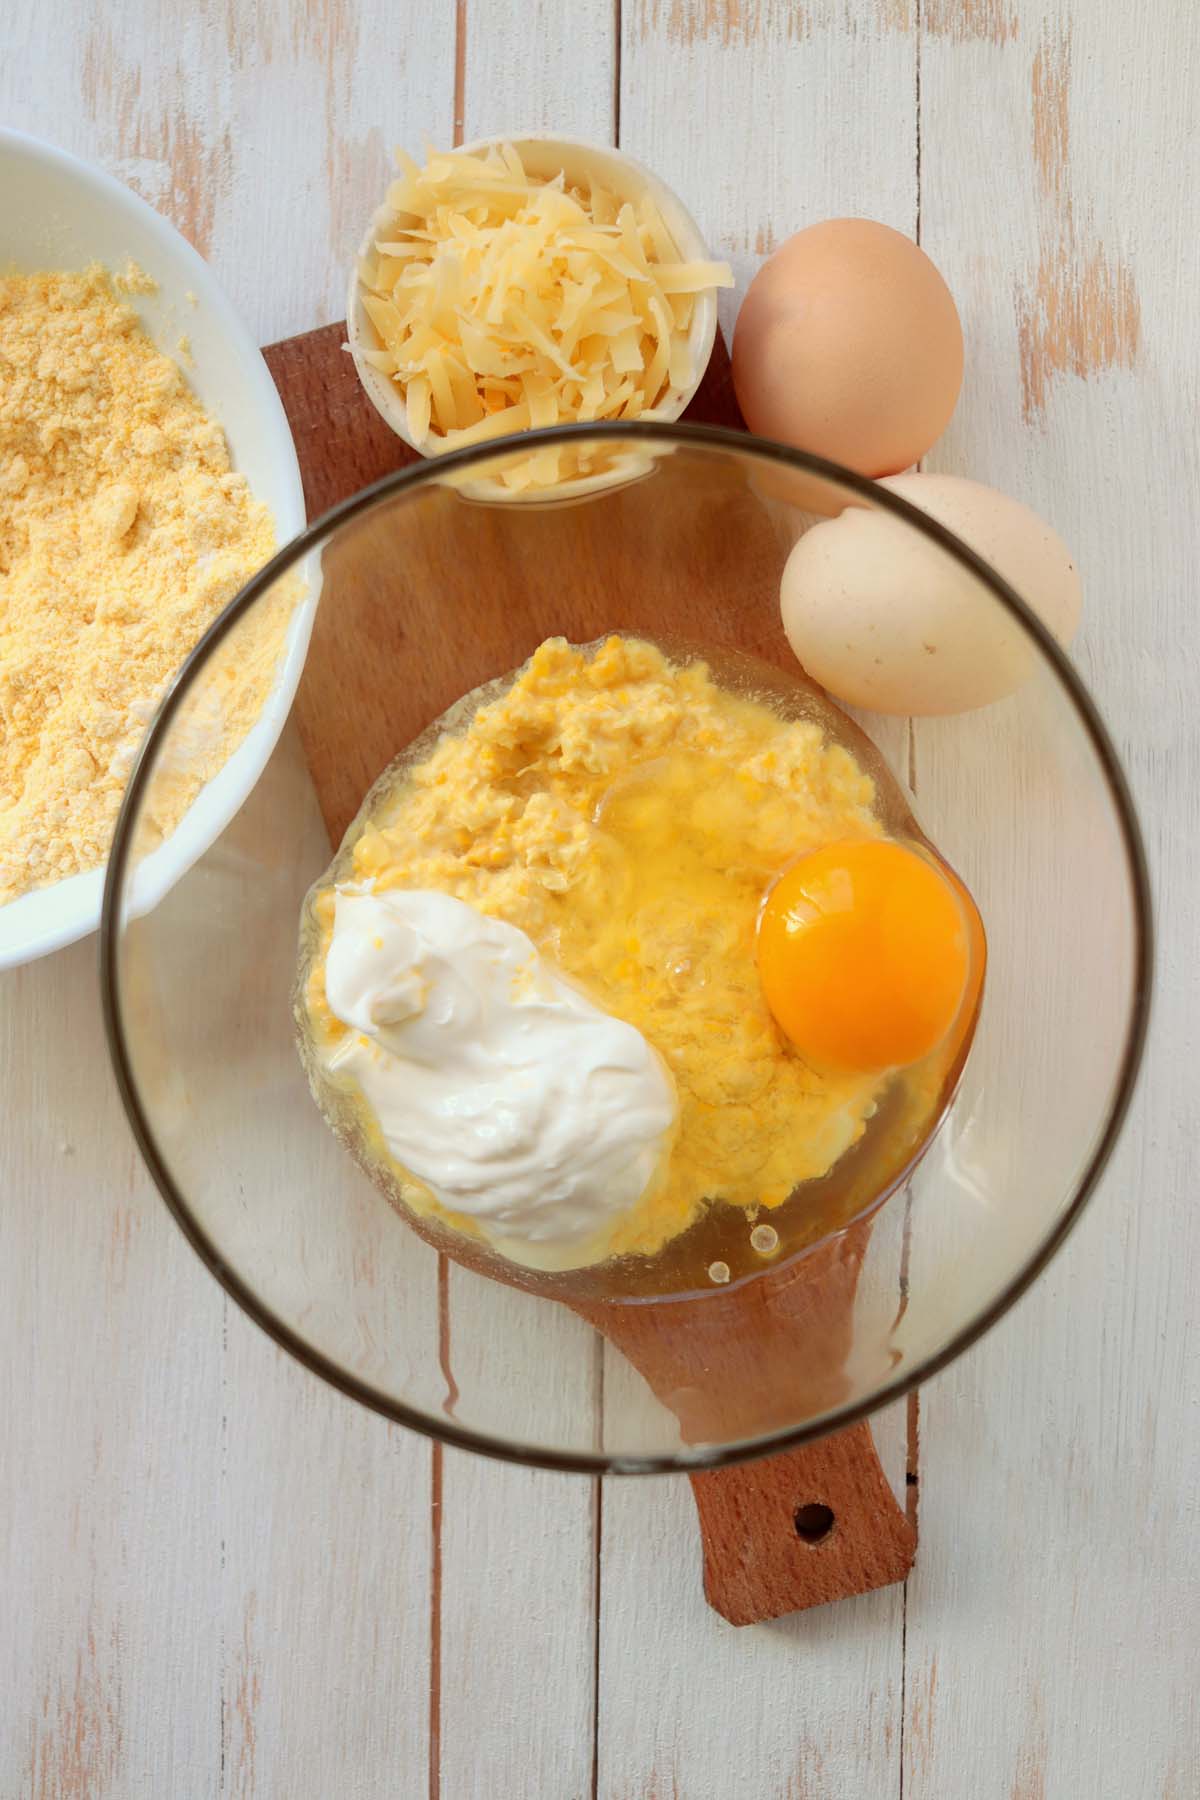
x,y
758,1562
814,1521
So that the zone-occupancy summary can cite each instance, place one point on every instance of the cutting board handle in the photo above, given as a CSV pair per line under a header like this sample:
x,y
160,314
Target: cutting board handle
x,y
801,1528
804,1526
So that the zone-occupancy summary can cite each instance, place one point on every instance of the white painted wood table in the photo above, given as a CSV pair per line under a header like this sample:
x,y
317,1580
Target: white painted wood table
x,y
219,1578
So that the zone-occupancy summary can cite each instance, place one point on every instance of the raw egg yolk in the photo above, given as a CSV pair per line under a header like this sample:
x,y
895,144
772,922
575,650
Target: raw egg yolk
x,y
864,954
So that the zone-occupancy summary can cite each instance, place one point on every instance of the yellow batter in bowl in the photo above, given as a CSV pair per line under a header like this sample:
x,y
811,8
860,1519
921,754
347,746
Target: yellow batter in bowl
x,y
629,813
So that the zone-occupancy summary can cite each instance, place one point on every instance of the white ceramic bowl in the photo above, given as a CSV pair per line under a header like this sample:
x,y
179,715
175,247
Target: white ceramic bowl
x,y
58,213
544,157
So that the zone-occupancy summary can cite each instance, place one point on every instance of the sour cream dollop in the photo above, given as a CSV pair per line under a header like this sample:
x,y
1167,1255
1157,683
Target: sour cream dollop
x,y
503,1089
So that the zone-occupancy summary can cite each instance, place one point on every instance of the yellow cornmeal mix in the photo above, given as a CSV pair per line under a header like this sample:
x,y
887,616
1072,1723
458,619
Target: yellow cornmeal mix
x,y
123,532
629,815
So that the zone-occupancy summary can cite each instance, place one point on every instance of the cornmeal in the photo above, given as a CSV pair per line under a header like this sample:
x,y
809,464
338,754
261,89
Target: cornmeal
x,y
123,532
629,814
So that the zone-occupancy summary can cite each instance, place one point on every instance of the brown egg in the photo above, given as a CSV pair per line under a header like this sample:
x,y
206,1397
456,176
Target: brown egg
x,y
848,344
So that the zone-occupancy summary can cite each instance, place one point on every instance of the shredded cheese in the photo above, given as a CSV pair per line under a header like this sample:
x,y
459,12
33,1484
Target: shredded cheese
x,y
502,303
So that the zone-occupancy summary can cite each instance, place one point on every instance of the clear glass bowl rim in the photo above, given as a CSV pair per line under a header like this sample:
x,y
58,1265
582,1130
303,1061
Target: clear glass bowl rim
x,y
687,1459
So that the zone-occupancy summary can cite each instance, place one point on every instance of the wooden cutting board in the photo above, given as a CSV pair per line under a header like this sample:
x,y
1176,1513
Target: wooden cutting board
x,y
793,1530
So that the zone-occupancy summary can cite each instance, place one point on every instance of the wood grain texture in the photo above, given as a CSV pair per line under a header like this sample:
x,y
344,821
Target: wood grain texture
x,y
805,1528
343,446
518,1677
750,1361
263,132
110,1343
325,1511
190,1523
807,1705
1050,1647
797,152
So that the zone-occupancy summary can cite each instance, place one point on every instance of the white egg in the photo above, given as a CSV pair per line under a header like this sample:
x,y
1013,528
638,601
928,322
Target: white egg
x,y
889,621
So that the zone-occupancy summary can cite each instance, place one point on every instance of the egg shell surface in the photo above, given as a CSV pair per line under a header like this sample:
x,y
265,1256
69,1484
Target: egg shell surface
x,y
848,344
886,620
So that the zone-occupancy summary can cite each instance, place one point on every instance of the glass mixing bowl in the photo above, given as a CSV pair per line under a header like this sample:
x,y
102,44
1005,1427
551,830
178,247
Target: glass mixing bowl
x,y
431,583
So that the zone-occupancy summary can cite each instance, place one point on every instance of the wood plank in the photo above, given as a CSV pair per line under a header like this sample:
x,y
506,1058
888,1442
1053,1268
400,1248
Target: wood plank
x,y
797,153
343,445
265,134
143,1453
691,1705
1051,1642
110,1343
534,65
519,1549
518,1567
325,1509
